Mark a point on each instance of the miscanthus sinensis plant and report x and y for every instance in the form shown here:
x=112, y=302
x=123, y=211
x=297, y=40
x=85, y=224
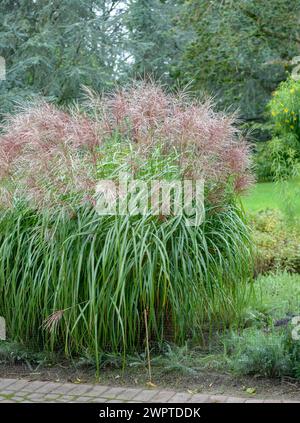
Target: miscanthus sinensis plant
x=71, y=279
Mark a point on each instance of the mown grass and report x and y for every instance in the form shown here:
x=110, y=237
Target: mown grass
x=272, y=195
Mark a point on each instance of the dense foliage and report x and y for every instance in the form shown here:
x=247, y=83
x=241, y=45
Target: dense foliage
x=276, y=242
x=242, y=50
x=279, y=157
x=53, y=47
x=236, y=50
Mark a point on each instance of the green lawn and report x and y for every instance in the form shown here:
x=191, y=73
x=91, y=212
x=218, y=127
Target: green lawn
x=274, y=195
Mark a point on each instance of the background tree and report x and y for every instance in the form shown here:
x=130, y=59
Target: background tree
x=242, y=50
x=53, y=47
x=238, y=51
x=156, y=38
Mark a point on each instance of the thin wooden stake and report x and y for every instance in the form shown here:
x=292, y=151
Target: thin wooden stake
x=147, y=346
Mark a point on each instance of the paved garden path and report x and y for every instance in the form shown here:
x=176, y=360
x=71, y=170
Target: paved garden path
x=20, y=390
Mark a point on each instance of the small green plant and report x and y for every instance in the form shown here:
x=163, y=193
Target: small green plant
x=277, y=297
x=15, y=353
x=266, y=346
x=262, y=163
x=256, y=352
x=277, y=159
x=276, y=242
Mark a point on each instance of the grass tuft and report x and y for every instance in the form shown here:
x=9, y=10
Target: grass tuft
x=77, y=282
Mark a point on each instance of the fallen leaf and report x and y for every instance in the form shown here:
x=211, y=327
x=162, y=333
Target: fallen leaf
x=251, y=391
x=193, y=391
x=151, y=385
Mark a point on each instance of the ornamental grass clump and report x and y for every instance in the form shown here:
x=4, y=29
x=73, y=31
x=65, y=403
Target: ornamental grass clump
x=77, y=281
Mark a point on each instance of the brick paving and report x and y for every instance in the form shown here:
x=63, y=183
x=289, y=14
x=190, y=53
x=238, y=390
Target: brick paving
x=24, y=391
